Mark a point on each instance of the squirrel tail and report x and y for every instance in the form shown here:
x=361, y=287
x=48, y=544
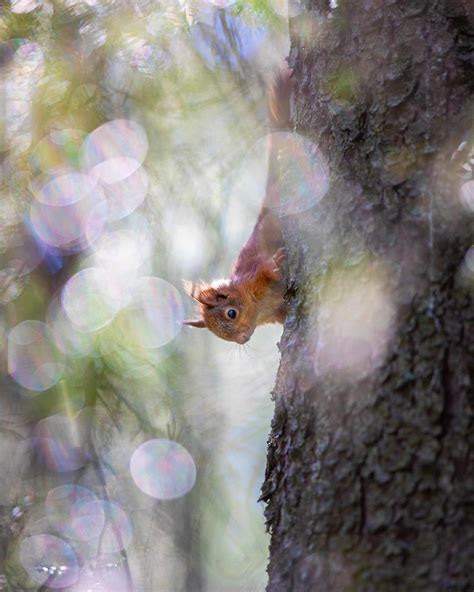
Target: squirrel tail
x=279, y=115
x=279, y=96
x=266, y=237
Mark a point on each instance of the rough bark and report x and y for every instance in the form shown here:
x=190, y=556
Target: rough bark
x=370, y=482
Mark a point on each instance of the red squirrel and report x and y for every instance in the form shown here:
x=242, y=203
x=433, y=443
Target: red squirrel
x=253, y=295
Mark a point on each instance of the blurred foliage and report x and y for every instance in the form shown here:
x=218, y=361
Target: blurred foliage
x=133, y=142
x=76, y=404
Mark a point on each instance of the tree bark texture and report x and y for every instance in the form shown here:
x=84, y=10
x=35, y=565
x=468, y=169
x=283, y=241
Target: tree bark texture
x=370, y=482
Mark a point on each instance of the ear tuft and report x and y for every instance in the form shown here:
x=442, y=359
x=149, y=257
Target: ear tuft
x=199, y=323
x=208, y=296
x=190, y=288
x=202, y=293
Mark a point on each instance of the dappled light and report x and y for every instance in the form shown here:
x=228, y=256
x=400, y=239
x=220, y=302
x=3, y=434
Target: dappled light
x=32, y=359
x=129, y=131
x=163, y=469
x=140, y=143
x=299, y=178
x=49, y=560
x=355, y=321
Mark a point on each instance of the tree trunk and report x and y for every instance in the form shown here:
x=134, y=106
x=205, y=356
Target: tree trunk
x=369, y=482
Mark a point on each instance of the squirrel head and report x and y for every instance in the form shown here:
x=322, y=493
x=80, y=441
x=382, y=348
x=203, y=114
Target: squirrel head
x=226, y=309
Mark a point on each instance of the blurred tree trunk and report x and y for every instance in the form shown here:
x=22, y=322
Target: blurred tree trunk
x=370, y=481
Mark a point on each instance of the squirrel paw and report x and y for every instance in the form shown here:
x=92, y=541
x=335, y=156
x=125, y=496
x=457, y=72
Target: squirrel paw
x=273, y=265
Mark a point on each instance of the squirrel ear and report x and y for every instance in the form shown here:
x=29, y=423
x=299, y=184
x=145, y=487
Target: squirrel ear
x=199, y=323
x=205, y=294
x=209, y=296
x=202, y=293
x=213, y=295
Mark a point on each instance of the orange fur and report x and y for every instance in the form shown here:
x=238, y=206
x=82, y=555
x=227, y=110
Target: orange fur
x=256, y=297
x=256, y=287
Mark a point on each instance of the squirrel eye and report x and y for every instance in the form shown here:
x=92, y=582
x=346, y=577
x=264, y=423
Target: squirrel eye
x=231, y=313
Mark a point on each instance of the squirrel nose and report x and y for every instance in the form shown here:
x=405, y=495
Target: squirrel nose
x=243, y=339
